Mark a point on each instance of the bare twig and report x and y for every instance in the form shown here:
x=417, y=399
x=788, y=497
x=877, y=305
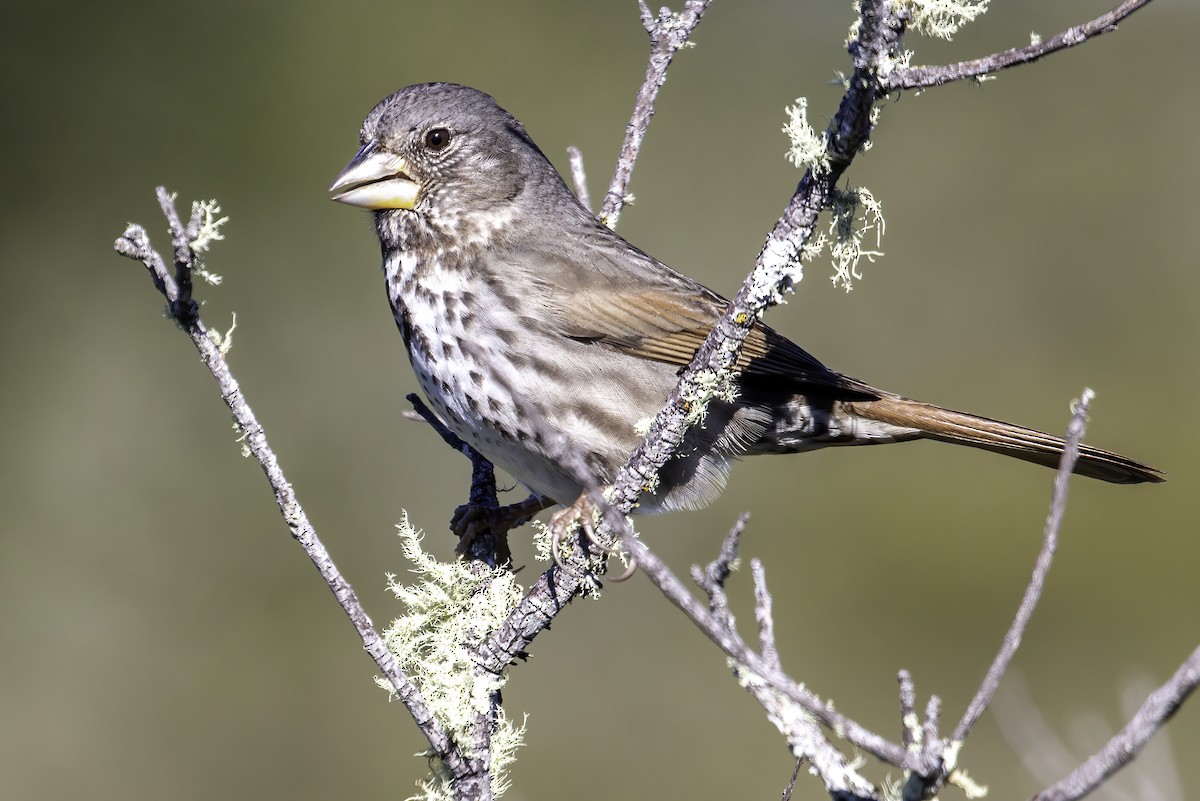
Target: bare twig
x=909, y=725
x=791, y=785
x=668, y=33
x=764, y=617
x=579, y=177
x=933, y=714
x=135, y=244
x=1033, y=592
x=712, y=578
x=732, y=644
x=917, y=77
x=1043, y=754
x=1125, y=745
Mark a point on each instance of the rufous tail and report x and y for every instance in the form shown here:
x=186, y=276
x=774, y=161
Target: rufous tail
x=948, y=425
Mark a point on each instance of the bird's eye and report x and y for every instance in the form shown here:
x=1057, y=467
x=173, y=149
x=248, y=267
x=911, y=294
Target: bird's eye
x=437, y=138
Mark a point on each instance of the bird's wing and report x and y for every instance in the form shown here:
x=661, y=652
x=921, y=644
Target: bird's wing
x=665, y=316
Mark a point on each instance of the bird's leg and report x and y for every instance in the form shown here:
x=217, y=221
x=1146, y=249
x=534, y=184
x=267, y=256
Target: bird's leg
x=470, y=520
x=582, y=511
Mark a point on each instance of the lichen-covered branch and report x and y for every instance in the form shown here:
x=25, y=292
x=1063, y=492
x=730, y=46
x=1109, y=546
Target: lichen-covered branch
x=135, y=244
x=923, y=76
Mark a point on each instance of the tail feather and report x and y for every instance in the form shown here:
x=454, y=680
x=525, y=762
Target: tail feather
x=947, y=425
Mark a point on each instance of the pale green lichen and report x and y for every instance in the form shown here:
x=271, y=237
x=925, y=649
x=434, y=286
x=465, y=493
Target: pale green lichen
x=970, y=788
x=542, y=534
x=916, y=733
x=813, y=247
x=809, y=150
x=453, y=607
x=224, y=342
x=856, y=214
x=891, y=789
x=942, y=19
x=707, y=385
x=590, y=586
x=642, y=427
x=208, y=233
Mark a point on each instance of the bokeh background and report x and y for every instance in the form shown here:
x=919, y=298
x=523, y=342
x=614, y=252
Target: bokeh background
x=161, y=636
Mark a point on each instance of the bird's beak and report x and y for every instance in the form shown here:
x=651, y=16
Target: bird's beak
x=375, y=179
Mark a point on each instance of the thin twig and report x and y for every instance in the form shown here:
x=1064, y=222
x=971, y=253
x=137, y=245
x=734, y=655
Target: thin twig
x=1044, y=755
x=135, y=244
x=579, y=177
x=764, y=617
x=1125, y=745
x=910, y=727
x=733, y=645
x=1033, y=592
x=668, y=33
x=928, y=751
x=933, y=714
x=917, y=77
x=791, y=785
x=712, y=577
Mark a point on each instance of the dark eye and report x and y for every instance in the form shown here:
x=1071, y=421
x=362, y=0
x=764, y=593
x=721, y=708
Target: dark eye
x=437, y=138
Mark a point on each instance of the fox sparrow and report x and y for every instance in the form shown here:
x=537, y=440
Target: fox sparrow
x=523, y=314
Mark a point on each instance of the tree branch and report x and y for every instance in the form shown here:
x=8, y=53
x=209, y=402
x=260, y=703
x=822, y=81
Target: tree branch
x=667, y=34
x=1033, y=592
x=579, y=177
x=555, y=588
x=918, y=77
x=1158, y=708
x=135, y=244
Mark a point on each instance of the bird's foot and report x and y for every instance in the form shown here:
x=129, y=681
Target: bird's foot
x=470, y=521
x=583, y=513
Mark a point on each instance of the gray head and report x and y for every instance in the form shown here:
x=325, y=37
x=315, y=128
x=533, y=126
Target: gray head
x=449, y=154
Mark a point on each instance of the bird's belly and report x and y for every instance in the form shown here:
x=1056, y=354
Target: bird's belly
x=479, y=401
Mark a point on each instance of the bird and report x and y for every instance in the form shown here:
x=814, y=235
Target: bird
x=530, y=324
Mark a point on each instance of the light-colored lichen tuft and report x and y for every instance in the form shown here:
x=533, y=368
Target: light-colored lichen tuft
x=208, y=233
x=970, y=788
x=591, y=586
x=808, y=150
x=856, y=216
x=942, y=18
x=452, y=607
x=224, y=342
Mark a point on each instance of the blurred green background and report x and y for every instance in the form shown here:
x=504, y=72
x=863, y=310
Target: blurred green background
x=161, y=635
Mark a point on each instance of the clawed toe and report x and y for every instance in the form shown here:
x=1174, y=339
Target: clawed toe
x=470, y=520
x=582, y=512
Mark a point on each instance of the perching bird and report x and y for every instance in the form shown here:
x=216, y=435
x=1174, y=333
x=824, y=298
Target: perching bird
x=515, y=304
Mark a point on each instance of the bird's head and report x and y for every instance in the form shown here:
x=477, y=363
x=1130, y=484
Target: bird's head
x=447, y=154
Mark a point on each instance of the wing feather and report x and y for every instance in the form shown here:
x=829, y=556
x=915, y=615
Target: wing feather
x=650, y=311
